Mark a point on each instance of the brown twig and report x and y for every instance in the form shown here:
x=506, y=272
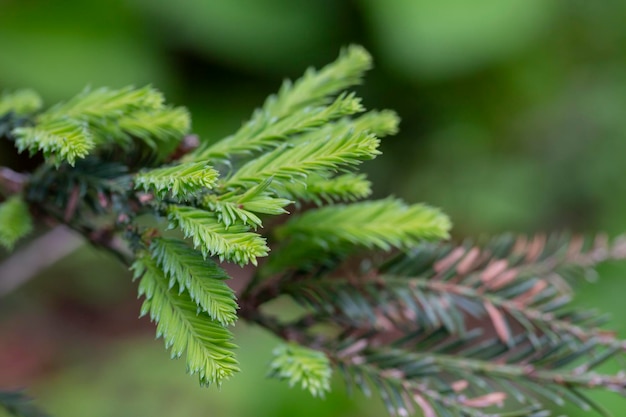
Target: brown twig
x=27, y=263
x=11, y=182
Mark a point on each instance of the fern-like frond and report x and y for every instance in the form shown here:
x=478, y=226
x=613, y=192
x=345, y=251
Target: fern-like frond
x=316, y=86
x=320, y=189
x=379, y=123
x=104, y=116
x=65, y=139
x=92, y=105
x=300, y=365
x=379, y=224
x=20, y=102
x=203, y=278
x=205, y=343
x=160, y=129
x=232, y=208
x=234, y=244
x=181, y=181
x=15, y=221
x=296, y=163
x=297, y=106
x=266, y=130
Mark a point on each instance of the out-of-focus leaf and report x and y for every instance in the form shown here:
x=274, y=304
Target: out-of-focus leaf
x=438, y=39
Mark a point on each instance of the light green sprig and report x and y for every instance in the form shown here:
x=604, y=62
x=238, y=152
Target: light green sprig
x=102, y=117
x=296, y=163
x=302, y=366
x=298, y=106
x=160, y=129
x=382, y=224
x=181, y=181
x=234, y=244
x=319, y=189
x=205, y=343
x=15, y=221
x=60, y=140
x=91, y=105
x=268, y=131
x=202, y=278
x=20, y=102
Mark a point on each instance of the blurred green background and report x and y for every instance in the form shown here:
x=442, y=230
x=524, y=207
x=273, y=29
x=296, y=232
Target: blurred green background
x=512, y=121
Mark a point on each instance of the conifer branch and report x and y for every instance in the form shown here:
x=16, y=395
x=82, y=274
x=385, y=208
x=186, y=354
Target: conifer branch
x=300, y=365
x=161, y=129
x=20, y=102
x=448, y=330
x=202, y=278
x=295, y=163
x=296, y=102
x=382, y=224
x=243, y=208
x=235, y=243
x=91, y=105
x=206, y=344
x=66, y=138
x=322, y=190
x=181, y=181
x=16, y=221
x=269, y=131
x=434, y=320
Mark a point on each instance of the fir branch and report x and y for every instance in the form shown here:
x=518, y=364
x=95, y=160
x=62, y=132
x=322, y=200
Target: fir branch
x=507, y=258
x=232, y=207
x=291, y=110
x=417, y=328
x=296, y=163
x=206, y=344
x=15, y=221
x=71, y=130
x=379, y=123
x=316, y=86
x=183, y=181
x=402, y=386
x=444, y=368
x=20, y=102
x=235, y=243
x=382, y=224
x=268, y=131
x=320, y=190
x=92, y=186
x=160, y=129
x=202, y=278
x=325, y=236
x=93, y=105
x=66, y=138
x=300, y=365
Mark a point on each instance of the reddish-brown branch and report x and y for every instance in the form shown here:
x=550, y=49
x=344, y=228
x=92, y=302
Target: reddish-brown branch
x=11, y=182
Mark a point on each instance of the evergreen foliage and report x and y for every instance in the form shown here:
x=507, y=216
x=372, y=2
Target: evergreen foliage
x=21, y=102
x=179, y=180
x=15, y=221
x=433, y=328
x=299, y=365
x=205, y=343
